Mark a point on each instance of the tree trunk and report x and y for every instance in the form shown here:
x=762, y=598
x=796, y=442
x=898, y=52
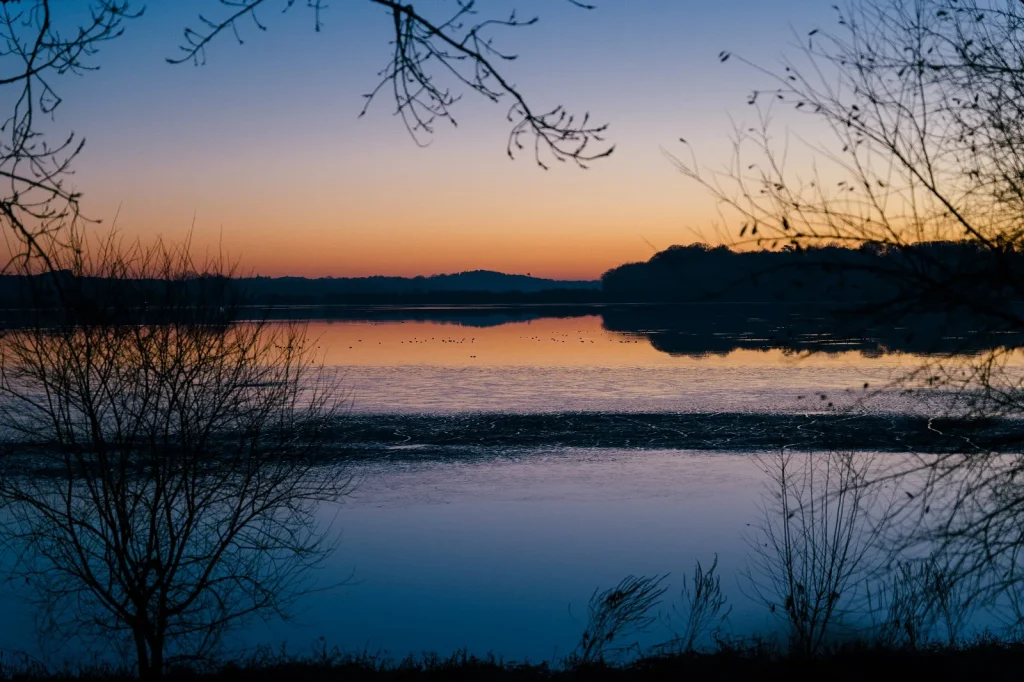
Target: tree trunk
x=156, y=656
x=142, y=650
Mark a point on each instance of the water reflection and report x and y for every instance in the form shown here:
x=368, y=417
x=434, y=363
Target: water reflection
x=547, y=342
x=502, y=552
x=705, y=329
x=576, y=364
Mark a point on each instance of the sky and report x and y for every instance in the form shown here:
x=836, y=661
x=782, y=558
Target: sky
x=260, y=151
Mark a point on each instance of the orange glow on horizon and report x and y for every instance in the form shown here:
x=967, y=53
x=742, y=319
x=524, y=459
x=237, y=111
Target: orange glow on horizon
x=400, y=219
x=318, y=251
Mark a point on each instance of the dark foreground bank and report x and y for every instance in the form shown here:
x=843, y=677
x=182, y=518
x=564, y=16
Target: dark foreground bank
x=980, y=660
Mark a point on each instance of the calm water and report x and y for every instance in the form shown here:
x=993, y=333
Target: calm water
x=555, y=365
x=499, y=552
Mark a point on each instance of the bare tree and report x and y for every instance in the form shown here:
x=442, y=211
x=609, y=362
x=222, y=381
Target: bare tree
x=918, y=151
x=916, y=102
x=165, y=473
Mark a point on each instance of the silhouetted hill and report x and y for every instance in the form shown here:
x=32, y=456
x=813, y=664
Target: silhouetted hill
x=474, y=286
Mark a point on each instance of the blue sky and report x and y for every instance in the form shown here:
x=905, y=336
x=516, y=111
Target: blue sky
x=263, y=146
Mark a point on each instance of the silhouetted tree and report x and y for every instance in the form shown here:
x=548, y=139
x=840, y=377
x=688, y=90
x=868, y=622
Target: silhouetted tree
x=919, y=105
x=164, y=473
x=920, y=98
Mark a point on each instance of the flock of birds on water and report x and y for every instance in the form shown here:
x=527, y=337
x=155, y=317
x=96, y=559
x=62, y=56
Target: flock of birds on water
x=452, y=340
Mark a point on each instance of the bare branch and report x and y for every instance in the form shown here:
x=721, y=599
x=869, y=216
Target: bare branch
x=460, y=47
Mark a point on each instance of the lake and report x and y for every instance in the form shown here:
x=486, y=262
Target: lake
x=576, y=364
x=495, y=547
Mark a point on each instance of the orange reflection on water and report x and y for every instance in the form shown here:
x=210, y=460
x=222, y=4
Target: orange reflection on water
x=554, y=342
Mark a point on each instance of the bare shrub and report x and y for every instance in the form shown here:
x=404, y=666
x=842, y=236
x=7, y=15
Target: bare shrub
x=908, y=606
x=920, y=598
x=814, y=546
x=703, y=609
x=617, y=613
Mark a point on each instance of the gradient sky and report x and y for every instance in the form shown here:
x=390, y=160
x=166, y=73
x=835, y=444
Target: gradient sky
x=263, y=146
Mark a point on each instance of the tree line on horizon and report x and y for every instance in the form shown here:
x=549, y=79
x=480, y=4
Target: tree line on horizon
x=950, y=274
x=946, y=273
